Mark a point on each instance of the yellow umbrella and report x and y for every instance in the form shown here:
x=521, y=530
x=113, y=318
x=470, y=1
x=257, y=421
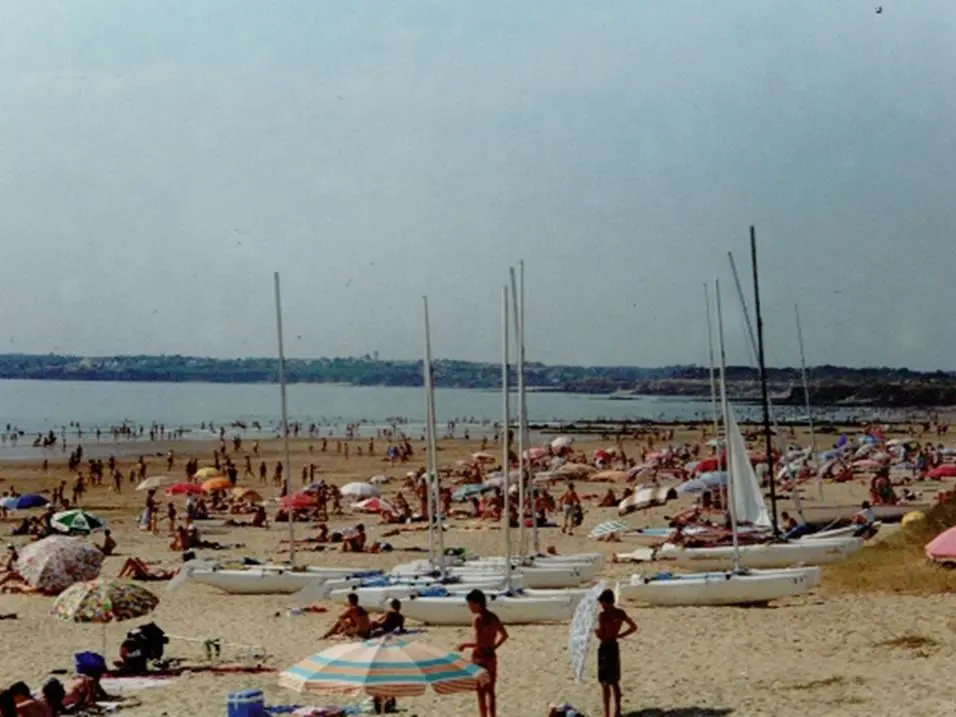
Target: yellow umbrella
x=216, y=484
x=208, y=472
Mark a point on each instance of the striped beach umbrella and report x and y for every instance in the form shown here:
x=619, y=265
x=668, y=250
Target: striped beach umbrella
x=384, y=667
x=602, y=530
x=76, y=521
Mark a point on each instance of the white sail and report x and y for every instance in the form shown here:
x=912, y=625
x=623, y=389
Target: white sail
x=745, y=492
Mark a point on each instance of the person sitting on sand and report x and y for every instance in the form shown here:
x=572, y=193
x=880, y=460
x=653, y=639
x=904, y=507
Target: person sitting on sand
x=390, y=623
x=10, y=564
x=609, y=500
x=881, y=490
x=354, y=622
x=355, y=542
x=136, y=569
x=23, y=527
x=109, y=543
x=865, y=519
x=259, y=520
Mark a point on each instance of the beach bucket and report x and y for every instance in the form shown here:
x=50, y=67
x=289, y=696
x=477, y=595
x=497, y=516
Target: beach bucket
x=247, y=703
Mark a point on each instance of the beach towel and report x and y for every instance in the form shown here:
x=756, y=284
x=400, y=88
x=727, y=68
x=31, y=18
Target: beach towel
x=119, y=685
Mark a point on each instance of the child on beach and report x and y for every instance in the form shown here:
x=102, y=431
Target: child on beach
x=611, y=620
x=490, y=635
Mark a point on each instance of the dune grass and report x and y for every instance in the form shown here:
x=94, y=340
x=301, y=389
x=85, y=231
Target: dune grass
x=898, y=565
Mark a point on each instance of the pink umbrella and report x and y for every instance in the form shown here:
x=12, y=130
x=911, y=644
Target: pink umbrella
x=482, y=457
x=533, y=454
x=943, y=546
x=298, y=501
x=867, y=465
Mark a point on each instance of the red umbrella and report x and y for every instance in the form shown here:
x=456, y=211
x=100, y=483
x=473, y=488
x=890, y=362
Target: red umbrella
x=184, y=489
x=709, y=465
x=298, y=501
x=946, y=471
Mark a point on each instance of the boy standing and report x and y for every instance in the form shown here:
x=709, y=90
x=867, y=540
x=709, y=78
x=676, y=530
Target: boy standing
x=611, y=620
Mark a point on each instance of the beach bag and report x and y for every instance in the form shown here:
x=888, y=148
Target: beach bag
x=91, y=664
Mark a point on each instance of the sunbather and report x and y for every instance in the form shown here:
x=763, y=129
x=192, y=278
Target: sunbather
x=355, y=542
x=136, y=569
x=354, y=622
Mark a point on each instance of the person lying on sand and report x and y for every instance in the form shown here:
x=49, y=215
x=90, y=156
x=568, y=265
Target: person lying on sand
x=259, y=520
x=354, y=622
x=136, y=569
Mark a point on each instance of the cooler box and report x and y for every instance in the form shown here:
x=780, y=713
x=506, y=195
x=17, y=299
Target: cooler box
x=91, y=664
x=247, y=703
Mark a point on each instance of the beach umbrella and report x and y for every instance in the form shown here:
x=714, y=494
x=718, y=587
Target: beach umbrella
x=643, y=498
x=384, y=667
x=582, y=628
x=208, y=472
x=535, y=453
x=24, y=502
x=380, y=479
x=247, y=494
x=562, y=442
x=942, y=548
x=184, y=489
x=482, y=457
x=298, y=501
x=945, y=471
x=867, y=465
x=610, y=527
x=575, y=470
x=466, y=491
x=374, y=505
x=642, y=471
x=360, y=490
x=76, y=521
x=104, y=601
x=53, y=564
x=214, y=484
x=707, y=481
x=153, y=482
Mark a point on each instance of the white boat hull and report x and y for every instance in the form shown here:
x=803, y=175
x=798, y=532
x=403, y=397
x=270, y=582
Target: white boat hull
x=256, y=581
x=453, y=610
x=823, y=551
x=531, y=577
x=721, y=588
x=376, y=598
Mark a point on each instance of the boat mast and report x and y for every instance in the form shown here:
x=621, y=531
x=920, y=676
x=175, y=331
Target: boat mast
x=764, y=397
x=517, y=310
x=806, y=392
x=285, y=414
x=506, y=419
x=713, y=380
x=432, y=483
x=535, y=537
x=725, y=407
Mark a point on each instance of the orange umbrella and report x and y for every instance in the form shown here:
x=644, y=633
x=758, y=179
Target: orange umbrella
x=216, y=484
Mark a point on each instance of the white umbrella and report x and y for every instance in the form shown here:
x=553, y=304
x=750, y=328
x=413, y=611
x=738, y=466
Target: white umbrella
x=153, y=482
x=360, y=490
x=582, y=627
x=379, y=479
x=562, y=442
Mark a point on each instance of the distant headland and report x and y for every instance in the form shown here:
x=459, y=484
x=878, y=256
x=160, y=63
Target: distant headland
x=829, y=385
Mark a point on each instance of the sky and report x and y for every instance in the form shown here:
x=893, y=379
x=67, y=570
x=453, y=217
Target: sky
x=160, y=160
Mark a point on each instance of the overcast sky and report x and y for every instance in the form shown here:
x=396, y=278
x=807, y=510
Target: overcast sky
x=158, y=161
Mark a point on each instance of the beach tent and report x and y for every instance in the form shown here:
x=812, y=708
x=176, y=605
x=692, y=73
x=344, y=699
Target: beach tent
x=942, y=548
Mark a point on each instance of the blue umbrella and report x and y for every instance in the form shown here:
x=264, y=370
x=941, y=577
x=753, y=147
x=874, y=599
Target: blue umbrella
x=24, y=502
x=704, y=482
x=466, y=491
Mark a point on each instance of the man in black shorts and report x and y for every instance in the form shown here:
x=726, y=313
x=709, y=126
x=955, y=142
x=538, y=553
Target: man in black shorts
x=611, y=628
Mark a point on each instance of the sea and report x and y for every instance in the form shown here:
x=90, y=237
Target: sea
x=75, y=409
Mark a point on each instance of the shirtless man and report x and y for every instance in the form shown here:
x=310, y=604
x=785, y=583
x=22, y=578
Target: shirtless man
x=610, y=621
x=354, y=622
x=490, y=634
x=568, y=501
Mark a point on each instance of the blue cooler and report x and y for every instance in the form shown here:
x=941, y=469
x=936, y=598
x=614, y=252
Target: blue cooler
x=248, y=703
x=91, y=664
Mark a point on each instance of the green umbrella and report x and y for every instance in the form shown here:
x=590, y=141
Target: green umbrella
x=77, y=521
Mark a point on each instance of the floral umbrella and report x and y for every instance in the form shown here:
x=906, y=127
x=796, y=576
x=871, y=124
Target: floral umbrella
x=103, y=601
x=55, y=563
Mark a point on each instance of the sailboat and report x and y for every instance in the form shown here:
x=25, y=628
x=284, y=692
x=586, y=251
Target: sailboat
x=511, y=605
x=268, y=579
x=739, y=585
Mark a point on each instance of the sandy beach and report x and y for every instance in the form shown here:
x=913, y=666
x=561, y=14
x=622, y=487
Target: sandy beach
x=824, y=654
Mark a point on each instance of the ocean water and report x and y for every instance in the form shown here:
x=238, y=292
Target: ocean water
x=39, y=406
